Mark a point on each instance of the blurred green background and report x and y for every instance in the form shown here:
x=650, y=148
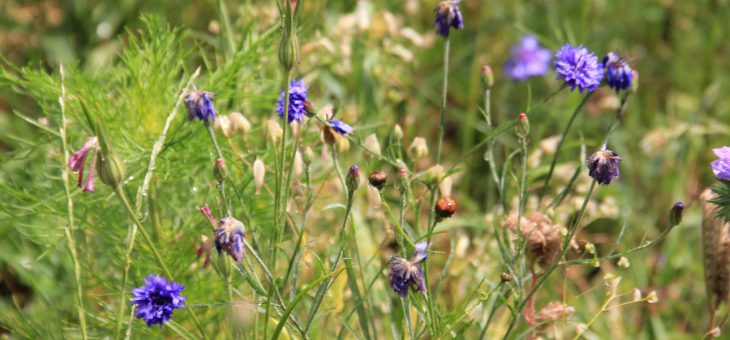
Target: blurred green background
x=379, y=62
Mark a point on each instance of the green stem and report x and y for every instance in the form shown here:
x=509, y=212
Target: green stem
x=220, y=180
x=444, y=92
x=566, y=243
x=132, y=215
x=68, y=230
x=560, y=145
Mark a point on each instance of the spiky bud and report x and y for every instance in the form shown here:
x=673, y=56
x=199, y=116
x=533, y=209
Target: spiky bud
x=353, y=179
x=487, y=76
x=378, y=179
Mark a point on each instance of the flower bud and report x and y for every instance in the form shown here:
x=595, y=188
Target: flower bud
x=505, y=277
x=329, y=135
x=343, y=144
x=634, y=81
x=487, y=76
x=219, y=171
x=445, y=207
x=110, y=169
x=259, y=170
x=309, y=108
x=434, y=175
x=397, y=133
x=308, y=155
x=403, y=181
x=675, y=215
x=353, y=179
x=523, y=126
x=372, y=144
x=418, y=148
x=378, y=179
x=289, y=51
x=239, y=123
x=223, y=124
x=274, y=131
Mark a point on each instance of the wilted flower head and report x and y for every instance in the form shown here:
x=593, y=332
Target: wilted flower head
x=78, y=162
x=603, y=166
x=552, y=312
x=405, y=274
x=200, y=105
x=721, y=167
x=297, y=97
x=618, y=72
x=578, y=67
x=157, y=299
x=340, y=127
x=448, y=15
x=541, y=235
x=378, y=179
x=229, y=237
x=527, y=59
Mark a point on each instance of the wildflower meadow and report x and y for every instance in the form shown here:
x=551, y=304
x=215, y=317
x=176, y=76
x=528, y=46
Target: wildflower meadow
x=364, y=169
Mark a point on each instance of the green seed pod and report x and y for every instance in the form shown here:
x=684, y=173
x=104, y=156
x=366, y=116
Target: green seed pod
x=288, y=51
x=110, y=169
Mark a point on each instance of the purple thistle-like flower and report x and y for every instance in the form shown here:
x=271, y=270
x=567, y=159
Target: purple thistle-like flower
x=618, y=72
x=200, y=105
x=448, y=15
x=157, y=299
x=527, y=59
x=297, y=97
x=721, y=167
x=229, y=237
x=405, y=274
x=578, y=67
x=341, y=127
x=603, y=166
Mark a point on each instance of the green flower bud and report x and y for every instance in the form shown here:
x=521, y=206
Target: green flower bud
x=288, y=51
x=110, y=169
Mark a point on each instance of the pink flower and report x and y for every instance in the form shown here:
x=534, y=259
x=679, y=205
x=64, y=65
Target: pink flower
x=78, y=163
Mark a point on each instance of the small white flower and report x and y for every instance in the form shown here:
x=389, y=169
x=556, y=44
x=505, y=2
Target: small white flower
x=623, y=262
x=652, y=297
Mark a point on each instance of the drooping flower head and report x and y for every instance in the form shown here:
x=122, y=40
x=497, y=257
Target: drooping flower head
x=448, y=15
x=527, y=59
x=297, y=97
x=603, y=166
x=157, y=299
x=619, y=74
x=77, y=163
x=340, y=127
x=578, y=67
x=229, y=237
x=200, y=105
x=721, y=167
x=405, y=274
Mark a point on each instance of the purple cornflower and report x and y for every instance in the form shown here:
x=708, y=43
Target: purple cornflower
x=448, y=15
x=405, y=274
x=157, y=299
x=341, y=127
x=297, y=97
x=200, y=105
x=603, y=166
x=721, y=167
x=77, y=163
x=576, y=66
x=618, y=72
x=527, y=59
x=229, y=237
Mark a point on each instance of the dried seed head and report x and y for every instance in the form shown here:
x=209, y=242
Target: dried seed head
x=239, y=124
x=543, y=237
x=378, y=179
x=552, y=312
x=259, y=170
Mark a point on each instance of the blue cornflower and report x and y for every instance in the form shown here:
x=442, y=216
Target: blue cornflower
x=618, y=72
x=405, y=274
x=297, y=97
x=603, y=166
x=157, y=299
x=576, y=66
x=200, y=105
x=721, y=167
x=527, y=59
x=448, y=15
x=229, y=237
x=341, y=127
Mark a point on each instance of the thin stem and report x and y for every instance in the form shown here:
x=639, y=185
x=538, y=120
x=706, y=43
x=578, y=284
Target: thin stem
x=429, y=300
x=444, y=92
x=132, y=215
x=566, y=243
x=68, y=230
x=220, y=179
x=560, y=145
